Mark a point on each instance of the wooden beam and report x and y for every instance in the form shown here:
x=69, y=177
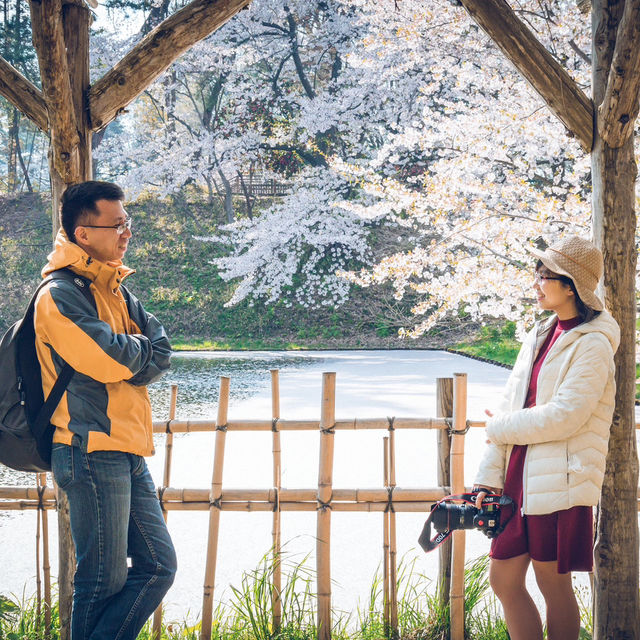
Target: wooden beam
x=48, y=38
x=154, y=53
x=547, y=76
x=619, y=109
x=23, y=95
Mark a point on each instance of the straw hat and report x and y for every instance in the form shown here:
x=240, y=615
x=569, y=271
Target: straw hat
x=580, y=260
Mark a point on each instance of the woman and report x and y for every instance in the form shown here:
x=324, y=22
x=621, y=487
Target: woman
x=547, y=447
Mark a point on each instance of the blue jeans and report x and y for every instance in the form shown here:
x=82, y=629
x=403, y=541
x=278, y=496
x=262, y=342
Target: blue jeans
x=115, y=514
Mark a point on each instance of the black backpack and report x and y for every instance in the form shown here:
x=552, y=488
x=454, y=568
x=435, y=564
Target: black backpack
x=25, y=429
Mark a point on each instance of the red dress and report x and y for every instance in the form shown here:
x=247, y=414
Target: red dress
x=565, y=536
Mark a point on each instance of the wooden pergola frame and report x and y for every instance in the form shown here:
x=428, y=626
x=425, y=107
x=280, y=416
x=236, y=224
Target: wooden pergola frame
x=69, y=110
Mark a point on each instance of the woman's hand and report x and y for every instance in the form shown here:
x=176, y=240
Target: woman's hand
x=483, y=492
x=490, y=414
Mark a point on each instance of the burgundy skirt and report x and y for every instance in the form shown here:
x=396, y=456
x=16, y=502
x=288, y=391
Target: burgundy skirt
x=565, y=536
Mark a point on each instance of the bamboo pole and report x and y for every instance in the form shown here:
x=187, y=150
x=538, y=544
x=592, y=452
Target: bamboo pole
x=193, y=426
x=166, y=480
x=46, y=566
x=197, y=426
x=325, y=482
x=276, y=604
x=214, y=511
x=28, y=493
x=457, y=482
x=38, y=573
x=444, y=409
x=352, y=507
x=171, y=495
x=385, y=543
x=393, y=548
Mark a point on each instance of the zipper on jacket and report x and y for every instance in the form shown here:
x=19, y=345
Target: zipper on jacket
x=524, y=482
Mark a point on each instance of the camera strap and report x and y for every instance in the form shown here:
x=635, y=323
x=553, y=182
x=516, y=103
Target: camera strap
x=429, y=543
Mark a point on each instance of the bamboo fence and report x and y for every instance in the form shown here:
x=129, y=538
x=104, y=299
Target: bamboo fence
x=452, y=425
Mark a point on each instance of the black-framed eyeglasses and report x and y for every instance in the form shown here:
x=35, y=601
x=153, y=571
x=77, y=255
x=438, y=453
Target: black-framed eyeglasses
x=120, y=228
x=539, y=278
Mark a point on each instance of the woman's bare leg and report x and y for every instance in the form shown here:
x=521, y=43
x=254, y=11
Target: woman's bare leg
x=563, y=616
x=507, y=579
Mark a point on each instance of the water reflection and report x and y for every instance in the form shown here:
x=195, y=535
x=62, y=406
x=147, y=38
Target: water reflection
x=198, y=374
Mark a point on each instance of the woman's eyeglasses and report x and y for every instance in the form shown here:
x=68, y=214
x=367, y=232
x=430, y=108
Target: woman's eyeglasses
x=120, y=228
x=540, y=278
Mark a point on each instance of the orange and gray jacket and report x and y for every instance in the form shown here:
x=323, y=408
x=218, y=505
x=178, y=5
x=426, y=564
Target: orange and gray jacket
x=115, y=348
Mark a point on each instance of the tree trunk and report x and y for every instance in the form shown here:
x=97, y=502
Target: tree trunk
x=76, y=35
x=228, y=196
x=616, y=602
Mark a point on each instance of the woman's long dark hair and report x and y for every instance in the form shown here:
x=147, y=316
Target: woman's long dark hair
x=585, y=312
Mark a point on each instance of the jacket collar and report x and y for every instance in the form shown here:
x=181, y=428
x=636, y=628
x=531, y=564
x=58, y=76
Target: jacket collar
x=603, y=323
x=70, y=255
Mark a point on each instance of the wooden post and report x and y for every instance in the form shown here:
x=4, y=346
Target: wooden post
x=444, y=409
x=393, y=547
x=46, y=565
x=166, y=481
x=386, y=592
x=457, y=477
x=214, y=510
x=325, y=482
x=276, y=603
x=38, y=572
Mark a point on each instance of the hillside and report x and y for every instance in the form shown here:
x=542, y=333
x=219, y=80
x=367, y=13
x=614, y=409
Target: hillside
x=178, y=283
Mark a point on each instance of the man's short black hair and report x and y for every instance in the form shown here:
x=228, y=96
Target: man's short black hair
x=80, y=200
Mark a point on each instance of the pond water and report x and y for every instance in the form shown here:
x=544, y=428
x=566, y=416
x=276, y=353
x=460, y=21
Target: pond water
x=369, y=384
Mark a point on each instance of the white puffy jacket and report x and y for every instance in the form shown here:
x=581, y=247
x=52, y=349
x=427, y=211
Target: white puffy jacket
x=568, y=429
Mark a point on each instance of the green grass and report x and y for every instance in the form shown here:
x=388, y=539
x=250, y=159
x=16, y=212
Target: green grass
x=494, y=343
x=238, y=344
x=247, y=614
x=24, y=620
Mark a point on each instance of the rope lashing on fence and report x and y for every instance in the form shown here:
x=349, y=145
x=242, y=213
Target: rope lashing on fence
x=41, y=490
x=392, y=421
x=221, y=427
x=389, y=507
x=276, y=500
x=329, y=430
x=161, y=491
x=457, y=432
x=274, y=425
x=324, y=505
x=217, y=503
x=168, y=427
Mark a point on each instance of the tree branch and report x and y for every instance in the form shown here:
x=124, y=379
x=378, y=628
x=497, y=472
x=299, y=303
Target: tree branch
x=295, y=52
x=312, y=158
x=619, y=108
x=154, y=53
x=557, y=88
x=580, y=52
x=48, y=38
x=23, y=95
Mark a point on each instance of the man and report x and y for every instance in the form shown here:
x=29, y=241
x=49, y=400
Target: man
x=103, y=422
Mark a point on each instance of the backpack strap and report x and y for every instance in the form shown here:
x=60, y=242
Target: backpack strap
x=43, y=418
x=81, y=283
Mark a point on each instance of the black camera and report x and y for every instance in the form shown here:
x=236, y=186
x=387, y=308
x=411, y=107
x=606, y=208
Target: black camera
x=446, y=516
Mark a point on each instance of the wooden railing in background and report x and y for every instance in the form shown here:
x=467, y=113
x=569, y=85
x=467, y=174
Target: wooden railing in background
x=451, y=423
